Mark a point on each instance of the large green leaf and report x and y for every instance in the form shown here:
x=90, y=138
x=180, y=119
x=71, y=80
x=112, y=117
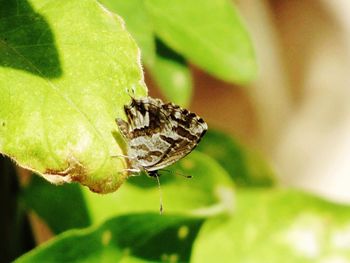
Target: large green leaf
x=209, y=191
x=66, y=66
x=246, y=167
x=132, y=238
x=208, y=33
x=138, y=24
x=168, y=69
x=277, y=226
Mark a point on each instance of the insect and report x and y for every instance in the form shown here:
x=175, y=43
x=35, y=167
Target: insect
x=158, y=134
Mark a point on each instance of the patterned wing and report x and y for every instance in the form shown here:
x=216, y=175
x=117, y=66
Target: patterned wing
x=145, y=117
x=146, y=121
x=185, y=132
x=159, y=134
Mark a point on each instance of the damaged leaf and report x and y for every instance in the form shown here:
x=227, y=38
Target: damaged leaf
x=64, y=70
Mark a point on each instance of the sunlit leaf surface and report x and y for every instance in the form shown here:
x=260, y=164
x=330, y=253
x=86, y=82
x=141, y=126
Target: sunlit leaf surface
x=168, y=68
x=138, y=23
x=65, y=68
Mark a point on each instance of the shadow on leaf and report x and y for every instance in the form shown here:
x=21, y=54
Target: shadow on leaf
x=26, y=40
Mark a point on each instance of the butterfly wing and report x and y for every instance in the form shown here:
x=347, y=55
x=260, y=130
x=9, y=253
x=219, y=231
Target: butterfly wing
x=146, y=121
x=185, y=132
x=159, y=134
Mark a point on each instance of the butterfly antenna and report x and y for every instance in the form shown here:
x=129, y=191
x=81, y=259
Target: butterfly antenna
x=160, y=195
x=177, y=173
x=131, y=92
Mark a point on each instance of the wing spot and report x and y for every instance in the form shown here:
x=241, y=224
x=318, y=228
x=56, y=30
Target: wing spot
x=200, y=120
x=140, y=147
x=184, y=133
x=156, y=153
x=147, y=158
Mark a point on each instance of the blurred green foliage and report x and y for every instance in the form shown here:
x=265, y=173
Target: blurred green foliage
x=171, y=236
x=244, y=166
x=62, y=207
x=207, y=33
x=264, y=224
x=230, y=211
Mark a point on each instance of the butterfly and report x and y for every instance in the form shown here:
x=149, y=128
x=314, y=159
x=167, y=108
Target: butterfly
x=158, y=134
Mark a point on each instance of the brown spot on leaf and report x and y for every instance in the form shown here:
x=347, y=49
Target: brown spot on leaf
x=75, y=171
x=104, y=186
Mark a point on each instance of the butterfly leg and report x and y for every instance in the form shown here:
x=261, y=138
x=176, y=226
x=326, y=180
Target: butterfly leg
x=134, y=172
x=121, y=156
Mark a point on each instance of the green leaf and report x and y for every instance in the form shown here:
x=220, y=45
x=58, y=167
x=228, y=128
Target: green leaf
x=23, y=30
x=172, y=75
x=245, y=167
x=208, y=33
x=62, y=207
x=138, y=24
x=209, y=191
x=65, y=68
x=168, y=68
x=132, y=238
x=277, y=226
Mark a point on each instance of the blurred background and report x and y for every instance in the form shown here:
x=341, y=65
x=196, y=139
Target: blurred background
x=285, y=126
x=296, y=112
